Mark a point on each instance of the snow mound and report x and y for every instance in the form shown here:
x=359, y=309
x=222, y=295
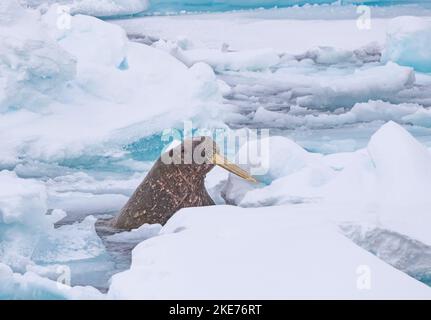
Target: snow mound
x=370, y=83
x=385, y=184
x=93, y=98
x=408, y=43
x=403, y=164
x=279, y=157
x=31, y=286
x=253, y=60
x=256, y=254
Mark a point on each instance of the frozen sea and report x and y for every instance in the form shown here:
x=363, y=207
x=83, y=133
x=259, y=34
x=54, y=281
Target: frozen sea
x=82, y=125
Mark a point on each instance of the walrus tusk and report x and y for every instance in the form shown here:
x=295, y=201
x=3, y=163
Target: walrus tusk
x=231, y=167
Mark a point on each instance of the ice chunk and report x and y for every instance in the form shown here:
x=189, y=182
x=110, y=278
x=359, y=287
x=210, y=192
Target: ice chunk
x=220, y=60
x=328, y=55
x=78, y=241
x=400, y=251
x=21, y=200
x=403, y=165
x=109, y=42
x=122, y=91
x=408, y=43
x=373, y=110
x=32, y=286
x=142, y=233
x=369, y=83
x=252, y=60
x=98, y=8
x=32, y=65
x=81, y=204
x=420, y=118
x=280, y=158
x=260, y=253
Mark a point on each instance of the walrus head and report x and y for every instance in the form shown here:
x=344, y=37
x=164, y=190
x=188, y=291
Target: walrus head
x=175, y=181
x=198, y=155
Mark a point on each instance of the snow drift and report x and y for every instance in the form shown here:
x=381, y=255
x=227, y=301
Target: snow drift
x=229, y=253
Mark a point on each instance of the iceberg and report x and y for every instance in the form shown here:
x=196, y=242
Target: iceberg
x=408, y=43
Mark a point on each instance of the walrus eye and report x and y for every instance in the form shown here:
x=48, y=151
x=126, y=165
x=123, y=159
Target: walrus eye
x=203, y=153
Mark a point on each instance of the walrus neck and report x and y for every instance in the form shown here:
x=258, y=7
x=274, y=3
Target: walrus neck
x=191, y=182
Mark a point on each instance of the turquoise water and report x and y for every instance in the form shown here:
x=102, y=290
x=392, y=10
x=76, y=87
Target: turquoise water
x=173, y=6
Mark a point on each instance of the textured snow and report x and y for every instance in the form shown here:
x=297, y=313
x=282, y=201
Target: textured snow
x=293, y=254
x=387, y=182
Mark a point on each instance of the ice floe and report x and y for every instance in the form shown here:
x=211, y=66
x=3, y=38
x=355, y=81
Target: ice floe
x=281, y=252
x=385, y=182
x=90, y=95
x=98, y=8
x=32, y=286
x=80, y=113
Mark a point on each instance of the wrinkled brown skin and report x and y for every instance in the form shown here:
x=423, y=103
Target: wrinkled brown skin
x=166, y=189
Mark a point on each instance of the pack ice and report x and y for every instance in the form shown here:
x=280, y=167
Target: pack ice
x=309, y=230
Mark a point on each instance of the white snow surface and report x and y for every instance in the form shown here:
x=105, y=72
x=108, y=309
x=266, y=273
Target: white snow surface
x=225, y=252
x=385, y=184
x=84, y=108
x=293, y=30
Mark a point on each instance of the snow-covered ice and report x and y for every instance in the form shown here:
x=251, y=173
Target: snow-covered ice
x=82, y=110
x=256, y=253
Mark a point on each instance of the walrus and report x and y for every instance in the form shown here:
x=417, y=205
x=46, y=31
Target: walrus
x=175, y=181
